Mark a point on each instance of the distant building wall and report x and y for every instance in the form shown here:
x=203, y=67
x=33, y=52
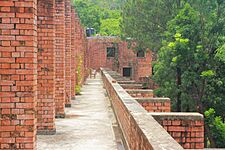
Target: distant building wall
x=124, y=57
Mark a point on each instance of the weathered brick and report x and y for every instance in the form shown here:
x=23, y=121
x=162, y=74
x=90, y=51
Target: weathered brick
x=97, y=48
x=68, y=52
x=46, y=67
x=73, y=62
x=60, y=58
x=13, y=83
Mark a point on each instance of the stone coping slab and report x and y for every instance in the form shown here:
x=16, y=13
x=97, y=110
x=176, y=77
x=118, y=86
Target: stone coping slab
x=154, y=99
x=139, y=90
x=132, y=86
x=177, y=115
x=121, y=79
x=127, y=82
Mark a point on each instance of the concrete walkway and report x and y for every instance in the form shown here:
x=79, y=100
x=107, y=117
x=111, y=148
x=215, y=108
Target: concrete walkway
x=88, y=124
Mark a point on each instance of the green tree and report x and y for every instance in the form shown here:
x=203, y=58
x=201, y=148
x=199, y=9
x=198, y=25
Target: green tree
x=110, y=27
x=217, y=127
x=89, y=13
x=145, y=21
x=196, y=78
x=104, y=16
x=177, y=56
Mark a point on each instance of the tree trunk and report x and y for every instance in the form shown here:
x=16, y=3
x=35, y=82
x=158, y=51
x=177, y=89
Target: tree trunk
x=201, y=109
x=179, y=91
x=211, y=140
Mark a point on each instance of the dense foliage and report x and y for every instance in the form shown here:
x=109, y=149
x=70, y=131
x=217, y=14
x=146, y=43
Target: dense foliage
x=189, y=37
x=217, y=127
x=102, y=15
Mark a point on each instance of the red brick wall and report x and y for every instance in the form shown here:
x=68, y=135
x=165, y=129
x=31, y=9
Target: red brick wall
x=82, y=53
x=46, y=67
x=80, y=49
x=141, y=67
x=60, y=58
x=73, y=65
x=139, y=93
x=77, y=43
x=155, y=104
x=186, y=128
x=97, y=49
x=68, y=52
x=18, y=74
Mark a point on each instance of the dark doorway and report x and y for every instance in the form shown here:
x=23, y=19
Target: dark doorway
x=127, y=72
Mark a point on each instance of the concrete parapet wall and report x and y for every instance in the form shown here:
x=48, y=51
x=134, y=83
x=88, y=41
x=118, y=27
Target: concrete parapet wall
x=141, y=131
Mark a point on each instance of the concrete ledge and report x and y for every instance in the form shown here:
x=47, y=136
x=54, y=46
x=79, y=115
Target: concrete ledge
x=140, y=93
x=140, y=130
x=139, y=90
x=132, y=86
x=46, y=132
x=60, y=116
x=127, y=82
x=117, y=76
x=68, y=105
x=177, y=115
x=153, y=99
x=121, y=79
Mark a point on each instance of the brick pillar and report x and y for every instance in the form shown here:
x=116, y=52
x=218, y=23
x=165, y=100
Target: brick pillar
x=68, y=52
x=82, y=54
x=60, y=58
x=73, y=64
x=18, y=69
x=77, y=46
x=46, y=68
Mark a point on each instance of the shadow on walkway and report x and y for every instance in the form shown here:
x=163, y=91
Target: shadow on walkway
x=88, y=123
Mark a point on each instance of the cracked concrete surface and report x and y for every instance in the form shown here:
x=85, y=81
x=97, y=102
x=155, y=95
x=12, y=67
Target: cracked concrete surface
x=88, y=123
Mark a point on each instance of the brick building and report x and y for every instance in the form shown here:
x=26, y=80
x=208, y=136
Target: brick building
x=114, y=53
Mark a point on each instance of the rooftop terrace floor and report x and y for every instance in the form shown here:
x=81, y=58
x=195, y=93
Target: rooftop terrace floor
x=88, y=124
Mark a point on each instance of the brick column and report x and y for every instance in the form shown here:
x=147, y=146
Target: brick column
x=73, y=64
x=77, y=45
x=83, y=46
x=46, y=68
x=18, y=69
x=68, y=52
x=60, y=58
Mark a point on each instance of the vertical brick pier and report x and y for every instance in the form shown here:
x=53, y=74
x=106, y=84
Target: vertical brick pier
x=46, y=67
x=60, y=58
x=18, y=74
x=73, y=63
x=68, y=52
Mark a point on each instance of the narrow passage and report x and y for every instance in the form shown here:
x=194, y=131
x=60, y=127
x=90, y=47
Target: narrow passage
x=88, y=124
